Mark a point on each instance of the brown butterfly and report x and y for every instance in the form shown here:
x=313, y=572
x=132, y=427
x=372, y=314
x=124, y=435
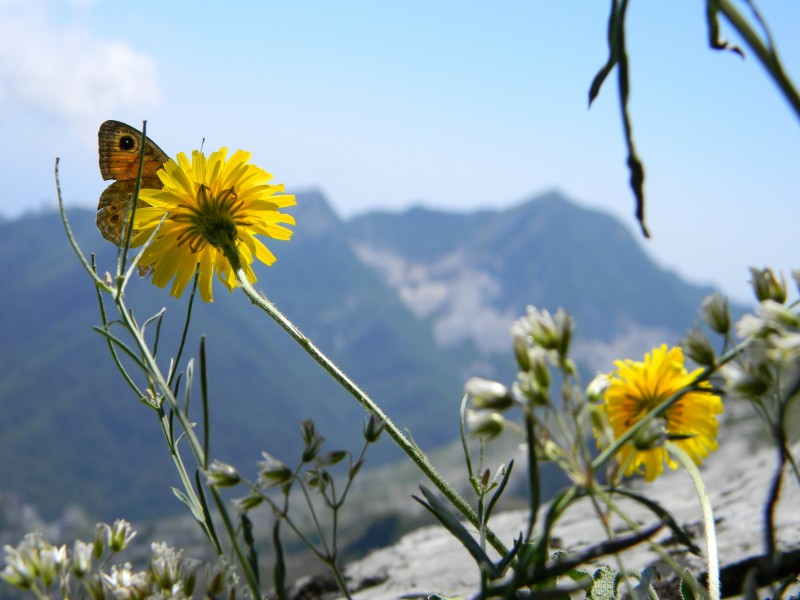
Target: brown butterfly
x=119, y=159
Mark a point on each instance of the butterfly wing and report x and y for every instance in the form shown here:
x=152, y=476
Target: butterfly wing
x=113, y=206
x=119, y=152
x=119, y=146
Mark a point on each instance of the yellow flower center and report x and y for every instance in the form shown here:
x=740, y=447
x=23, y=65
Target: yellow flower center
x=213, y=220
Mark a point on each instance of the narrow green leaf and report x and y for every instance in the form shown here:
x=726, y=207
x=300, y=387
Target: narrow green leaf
x=185, y=331
x=207, y=523
x=249, y=540
x=185, y=499
x=503, y=563
x=454, y=526
x=688, y=586
x=280, y=563
x=187, y=390
x=499, y=491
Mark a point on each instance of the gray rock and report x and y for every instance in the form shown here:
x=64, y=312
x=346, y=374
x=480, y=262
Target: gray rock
x=738, y=477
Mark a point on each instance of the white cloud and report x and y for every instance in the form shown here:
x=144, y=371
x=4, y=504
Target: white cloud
x=66, y=70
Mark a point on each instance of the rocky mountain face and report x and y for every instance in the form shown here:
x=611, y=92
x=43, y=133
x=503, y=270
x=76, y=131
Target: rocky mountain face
x=471, y=275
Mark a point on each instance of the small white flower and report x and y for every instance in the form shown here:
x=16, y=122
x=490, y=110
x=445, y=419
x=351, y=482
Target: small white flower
x=165, y=565
x=487, y=394
x=119, y=535
x=125, y=584
x=597, y=387
x=18, y=570
x=751, y=326
x=81, y=558
x=777, y=313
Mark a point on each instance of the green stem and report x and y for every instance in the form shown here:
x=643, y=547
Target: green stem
x=414, y=453
x=250, y=576
x=766, y=54
x=708, y=518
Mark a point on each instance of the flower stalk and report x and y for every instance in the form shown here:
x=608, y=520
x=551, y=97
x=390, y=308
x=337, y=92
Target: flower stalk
x=410, y=449
x=712, y=556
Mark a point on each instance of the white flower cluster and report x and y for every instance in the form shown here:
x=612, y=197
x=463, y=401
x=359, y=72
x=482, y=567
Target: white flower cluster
x=39, y=567
x=769, y=363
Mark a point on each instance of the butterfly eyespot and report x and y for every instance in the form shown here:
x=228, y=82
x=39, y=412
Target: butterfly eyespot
x=126, y=142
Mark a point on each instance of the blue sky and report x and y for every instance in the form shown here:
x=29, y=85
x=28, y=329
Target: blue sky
x=452, y=105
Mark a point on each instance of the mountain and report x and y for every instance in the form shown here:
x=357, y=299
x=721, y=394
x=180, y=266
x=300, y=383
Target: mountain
x=472, y=275
x=408, y=304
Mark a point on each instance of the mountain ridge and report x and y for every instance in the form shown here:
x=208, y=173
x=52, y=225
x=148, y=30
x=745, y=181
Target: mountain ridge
x=409, y=305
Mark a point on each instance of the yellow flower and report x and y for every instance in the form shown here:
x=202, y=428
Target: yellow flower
x=636, y=388
x=216, y=207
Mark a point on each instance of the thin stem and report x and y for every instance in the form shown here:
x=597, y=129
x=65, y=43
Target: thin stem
x=252, y=578
x=708, y=518
x=414, y=453
x=765, y=53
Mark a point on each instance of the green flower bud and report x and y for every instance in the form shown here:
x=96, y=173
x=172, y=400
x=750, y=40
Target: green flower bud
x=248, y=502
x=529, y=389
x=94, y=586
x=308, y=431
x=99, y=544
x=551, y=451
x=752, y=381
x=331, y=458
x=220, y=474
x=539, y=367
x=272, y=471
x=373, y=428
x=318, y=478
x=698, y=348
x=216, y=577
x=189, y=582
x=488, y=394
x=715, y=314
x=485, y=424
x=652, y=435
x=766, y=286
x=520, y=336
x=313, y=441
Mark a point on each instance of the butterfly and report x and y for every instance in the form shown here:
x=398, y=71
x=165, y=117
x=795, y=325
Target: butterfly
x=119, y=145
